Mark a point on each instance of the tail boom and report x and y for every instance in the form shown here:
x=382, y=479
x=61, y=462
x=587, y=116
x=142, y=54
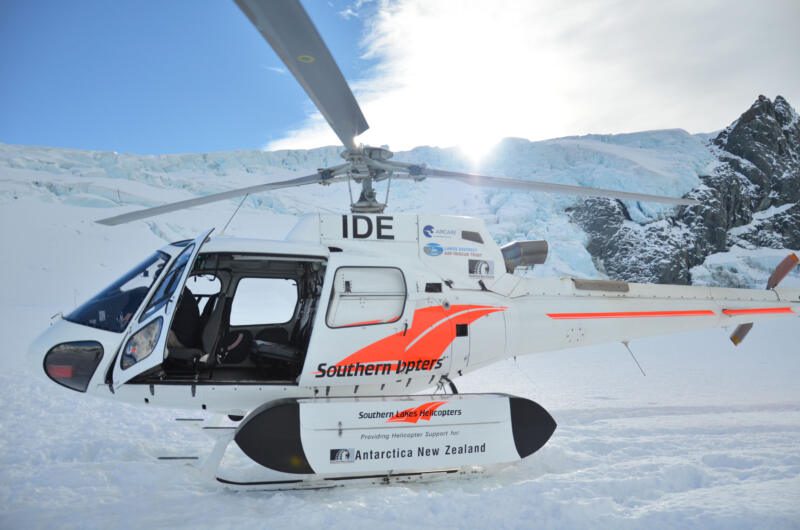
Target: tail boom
x=555, y=314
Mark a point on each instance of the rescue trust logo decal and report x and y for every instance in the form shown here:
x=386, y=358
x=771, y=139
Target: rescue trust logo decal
x=433, y=249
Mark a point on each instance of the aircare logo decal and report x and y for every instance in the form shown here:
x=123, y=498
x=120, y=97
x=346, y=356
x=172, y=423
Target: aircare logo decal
x=419, y=349
x=431, y=231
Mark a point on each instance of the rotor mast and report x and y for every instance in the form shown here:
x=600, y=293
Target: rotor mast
x=364, y=166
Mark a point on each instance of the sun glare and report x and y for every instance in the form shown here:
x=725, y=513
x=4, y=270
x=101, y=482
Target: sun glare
x=457, y=91
x=476, y=149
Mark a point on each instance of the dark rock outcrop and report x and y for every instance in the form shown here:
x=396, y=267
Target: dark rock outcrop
x=751, y=199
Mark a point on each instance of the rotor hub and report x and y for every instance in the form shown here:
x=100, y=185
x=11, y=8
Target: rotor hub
x=364, y=168
x=370, y=153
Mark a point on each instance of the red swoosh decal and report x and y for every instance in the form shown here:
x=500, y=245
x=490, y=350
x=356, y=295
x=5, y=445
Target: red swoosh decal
x=432, y=331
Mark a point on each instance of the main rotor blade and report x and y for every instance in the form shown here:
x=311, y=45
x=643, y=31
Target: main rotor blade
x=502, y=182
x=181, y=205
x=290, y=32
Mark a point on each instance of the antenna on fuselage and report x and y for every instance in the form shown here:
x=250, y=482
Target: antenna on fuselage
x=222, y=232
x=627, y=347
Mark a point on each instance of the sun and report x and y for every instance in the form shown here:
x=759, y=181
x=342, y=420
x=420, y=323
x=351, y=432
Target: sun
x=477, y=148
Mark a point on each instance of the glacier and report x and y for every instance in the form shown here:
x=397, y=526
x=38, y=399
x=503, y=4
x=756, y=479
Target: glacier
x=657, y=162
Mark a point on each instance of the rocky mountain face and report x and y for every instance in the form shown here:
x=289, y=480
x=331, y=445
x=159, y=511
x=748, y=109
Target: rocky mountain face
x=750, y=198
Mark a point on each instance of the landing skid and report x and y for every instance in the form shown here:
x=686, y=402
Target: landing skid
x=226, y=466
x=369, y=480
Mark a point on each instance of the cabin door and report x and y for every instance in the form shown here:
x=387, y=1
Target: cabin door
x=145, y=343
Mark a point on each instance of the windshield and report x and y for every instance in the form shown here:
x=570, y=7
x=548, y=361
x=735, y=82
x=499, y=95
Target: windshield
x=113, y=307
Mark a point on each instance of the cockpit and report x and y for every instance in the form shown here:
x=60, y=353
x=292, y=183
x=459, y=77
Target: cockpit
x=237, y=312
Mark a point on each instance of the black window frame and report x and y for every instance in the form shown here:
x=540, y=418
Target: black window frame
x=155, y=304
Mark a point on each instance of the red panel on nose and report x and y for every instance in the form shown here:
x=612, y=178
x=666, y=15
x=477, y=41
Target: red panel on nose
x=60, y=371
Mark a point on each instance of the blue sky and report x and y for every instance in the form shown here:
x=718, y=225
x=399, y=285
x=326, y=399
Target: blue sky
x=173, y=76
x=151, y=76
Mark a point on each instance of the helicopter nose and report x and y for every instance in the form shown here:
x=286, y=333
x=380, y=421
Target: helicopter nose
x=69, y=354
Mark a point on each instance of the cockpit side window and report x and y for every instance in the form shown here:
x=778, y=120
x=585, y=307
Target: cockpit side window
x=113, y=307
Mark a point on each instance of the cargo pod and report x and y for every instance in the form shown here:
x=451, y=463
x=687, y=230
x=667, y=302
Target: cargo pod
x=144, y=345
x=341, y=439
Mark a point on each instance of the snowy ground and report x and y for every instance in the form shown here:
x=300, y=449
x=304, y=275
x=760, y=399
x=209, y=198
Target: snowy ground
x=710, y=438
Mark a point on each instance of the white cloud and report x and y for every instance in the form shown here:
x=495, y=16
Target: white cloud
x=469, y=72
x=277, y=69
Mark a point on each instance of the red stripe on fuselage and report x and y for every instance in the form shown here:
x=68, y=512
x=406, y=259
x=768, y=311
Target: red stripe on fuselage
x=632, y=314
x=758, y=311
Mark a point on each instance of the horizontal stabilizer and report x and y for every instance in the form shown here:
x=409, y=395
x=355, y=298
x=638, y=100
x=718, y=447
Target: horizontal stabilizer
x=740, y=333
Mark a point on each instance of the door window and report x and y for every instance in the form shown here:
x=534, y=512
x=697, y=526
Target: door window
x=263, y=301
x=364, y=296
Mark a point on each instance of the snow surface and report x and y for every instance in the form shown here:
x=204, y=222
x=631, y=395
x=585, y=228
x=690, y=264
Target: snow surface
x=710, y=438
x=740, y=267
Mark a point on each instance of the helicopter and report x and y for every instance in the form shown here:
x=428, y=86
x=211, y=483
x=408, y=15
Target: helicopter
x=329, y=358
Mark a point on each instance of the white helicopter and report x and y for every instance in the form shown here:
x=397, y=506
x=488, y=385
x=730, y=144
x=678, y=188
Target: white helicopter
x=312, y=351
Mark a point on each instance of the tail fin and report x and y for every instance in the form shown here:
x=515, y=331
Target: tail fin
x=783, y=268
x=780, y=272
